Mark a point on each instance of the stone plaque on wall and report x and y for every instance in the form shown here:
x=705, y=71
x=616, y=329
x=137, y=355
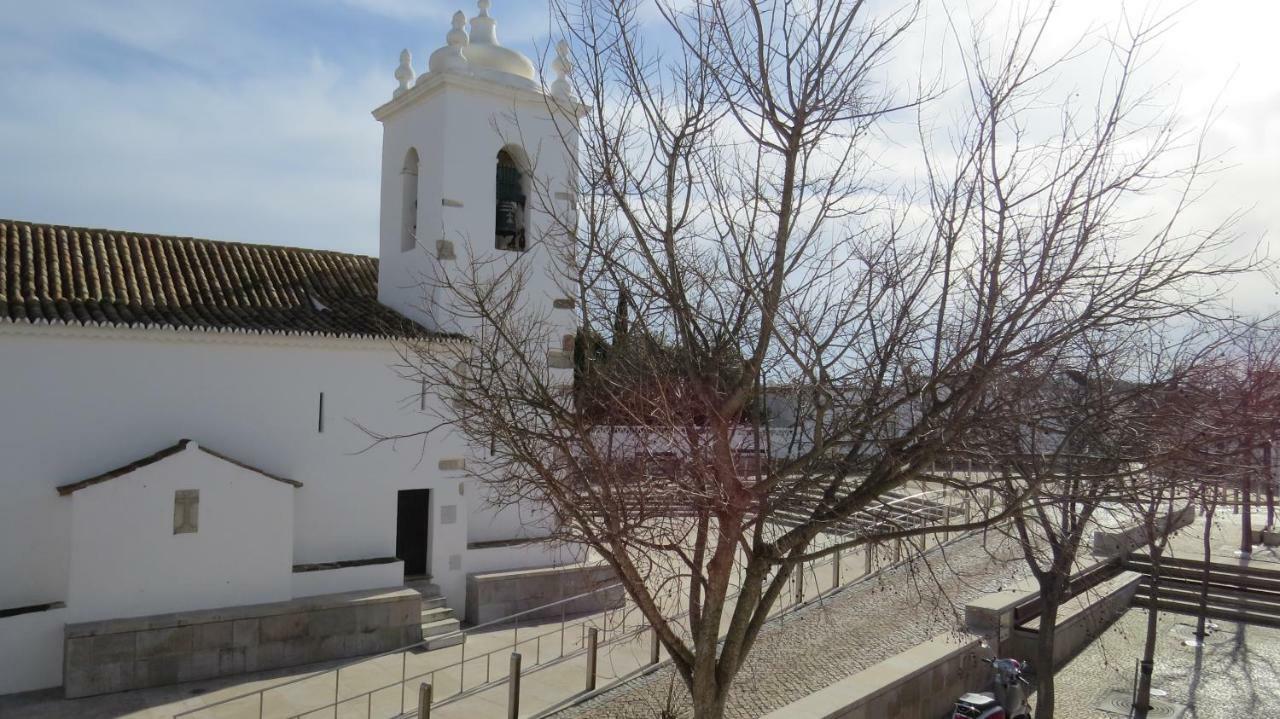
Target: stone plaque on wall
x=186, y=511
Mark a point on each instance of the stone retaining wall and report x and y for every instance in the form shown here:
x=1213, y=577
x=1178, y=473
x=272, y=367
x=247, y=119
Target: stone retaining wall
x=494, y=595
x=119, y=654
x=1111, y=544
x=1080, y=621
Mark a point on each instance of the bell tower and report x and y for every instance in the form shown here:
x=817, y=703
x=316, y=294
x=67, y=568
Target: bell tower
x=477, y=171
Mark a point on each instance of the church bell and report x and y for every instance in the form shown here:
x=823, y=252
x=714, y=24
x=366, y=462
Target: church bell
x=509, y=224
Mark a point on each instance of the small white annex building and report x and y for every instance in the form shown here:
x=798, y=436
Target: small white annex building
x=181, y=419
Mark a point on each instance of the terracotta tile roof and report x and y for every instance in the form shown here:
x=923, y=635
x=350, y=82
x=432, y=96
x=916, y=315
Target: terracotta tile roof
x=74, y=275
x=154, y=457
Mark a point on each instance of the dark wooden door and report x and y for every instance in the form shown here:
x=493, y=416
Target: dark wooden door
x=413, y=512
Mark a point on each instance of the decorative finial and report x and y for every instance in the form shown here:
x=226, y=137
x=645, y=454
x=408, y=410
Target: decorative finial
x=457, y=37
x=404, y=73
x=482, y=26
x=450, y=57
x=562, y=65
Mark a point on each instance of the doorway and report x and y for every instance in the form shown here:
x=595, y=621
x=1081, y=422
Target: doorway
x=413, y=512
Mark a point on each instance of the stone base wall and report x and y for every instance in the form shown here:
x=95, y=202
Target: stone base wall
x=495, y=595
x=920, y=683
x=119, y=654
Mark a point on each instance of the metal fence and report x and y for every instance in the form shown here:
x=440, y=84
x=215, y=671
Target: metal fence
x=390, y=684
x=397, y=670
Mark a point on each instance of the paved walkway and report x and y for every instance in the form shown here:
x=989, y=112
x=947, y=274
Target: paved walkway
x=1235, y=674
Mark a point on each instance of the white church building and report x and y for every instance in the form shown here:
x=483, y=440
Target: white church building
x=186, y=489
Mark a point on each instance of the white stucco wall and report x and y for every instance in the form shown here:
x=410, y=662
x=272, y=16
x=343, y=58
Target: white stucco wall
x=126, y=560
x=80, y=402
x=31, y=650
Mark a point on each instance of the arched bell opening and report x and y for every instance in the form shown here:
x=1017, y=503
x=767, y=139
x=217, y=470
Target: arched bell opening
x=409, y=201
x=512, y=212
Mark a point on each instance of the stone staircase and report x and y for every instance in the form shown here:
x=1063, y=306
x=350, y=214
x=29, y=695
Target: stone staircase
x=438, y=619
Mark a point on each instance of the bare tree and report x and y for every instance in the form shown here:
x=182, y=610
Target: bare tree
x=1102, y=430
x=729, y=204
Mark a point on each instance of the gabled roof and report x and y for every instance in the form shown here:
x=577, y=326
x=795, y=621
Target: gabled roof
x=181, y=446
x=73, y=275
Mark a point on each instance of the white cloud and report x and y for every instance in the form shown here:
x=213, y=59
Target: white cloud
x=248, y=121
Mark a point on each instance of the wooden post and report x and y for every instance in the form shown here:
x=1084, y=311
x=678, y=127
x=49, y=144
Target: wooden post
x=835, y=569
x=593, y=644
x=513, y=687
x=800, y=583
x=654, y=646
x=869, y=554
x=424, y=700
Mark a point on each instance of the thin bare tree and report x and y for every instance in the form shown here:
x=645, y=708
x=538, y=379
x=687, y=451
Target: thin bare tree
x=1086, y=447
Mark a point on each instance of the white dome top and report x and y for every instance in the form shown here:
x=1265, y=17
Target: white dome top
x=486, y=55
x=481, y=55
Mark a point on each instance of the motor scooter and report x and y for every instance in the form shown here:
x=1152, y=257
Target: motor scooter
x=1007, y=701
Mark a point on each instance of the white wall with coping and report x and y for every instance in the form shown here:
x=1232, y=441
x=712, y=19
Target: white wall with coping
x=347, y=579
x=31, y=650
x=255, y=399
x=126, y=560
x=533, y=554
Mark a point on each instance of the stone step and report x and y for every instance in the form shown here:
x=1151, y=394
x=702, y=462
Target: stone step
x=432, y=602
x=445, y=629
x=450, y=640
x=435, y=614
x=440, y=626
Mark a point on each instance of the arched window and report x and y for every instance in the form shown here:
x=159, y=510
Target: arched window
x=409, y=202
x=509, y=225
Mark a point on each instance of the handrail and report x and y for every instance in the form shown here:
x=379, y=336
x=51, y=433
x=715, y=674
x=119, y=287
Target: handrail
x=508, y=619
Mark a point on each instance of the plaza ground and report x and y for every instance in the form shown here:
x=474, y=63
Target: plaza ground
x=841, y=633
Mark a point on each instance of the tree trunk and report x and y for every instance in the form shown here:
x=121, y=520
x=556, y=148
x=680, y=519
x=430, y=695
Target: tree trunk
x=1268, y=482
x=709, y=703
x=1044, y=660
x=1204, y=579
x=1142, y=699
x=1246, y=513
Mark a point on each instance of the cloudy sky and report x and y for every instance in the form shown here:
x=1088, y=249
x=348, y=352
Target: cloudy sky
x=249, y=119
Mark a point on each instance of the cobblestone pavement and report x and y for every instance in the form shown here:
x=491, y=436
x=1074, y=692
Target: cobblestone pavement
x=1236, y=674
x=846, y=633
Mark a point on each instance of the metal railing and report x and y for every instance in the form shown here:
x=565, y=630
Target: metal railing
x=330, y=680
x=389, y=696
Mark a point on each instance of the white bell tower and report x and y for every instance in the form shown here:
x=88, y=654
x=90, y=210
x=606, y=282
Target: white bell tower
x=477, y=163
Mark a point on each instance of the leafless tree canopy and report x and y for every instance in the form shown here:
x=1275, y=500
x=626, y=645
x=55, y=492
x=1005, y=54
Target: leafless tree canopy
x=775, y=332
